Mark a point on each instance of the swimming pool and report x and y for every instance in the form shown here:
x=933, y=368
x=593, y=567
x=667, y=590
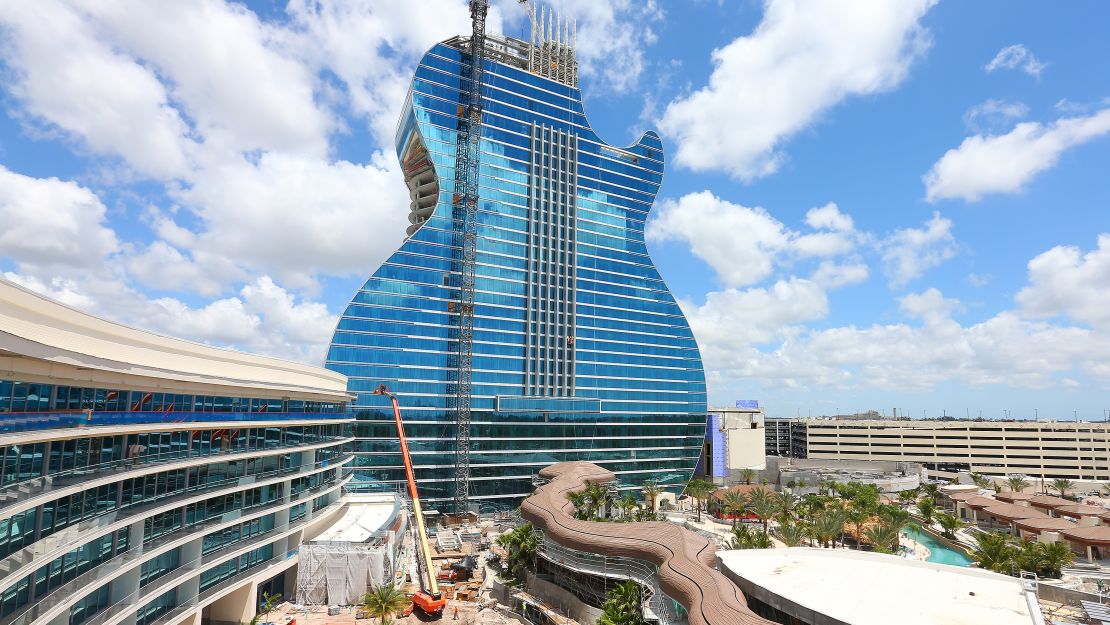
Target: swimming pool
x=938, y=551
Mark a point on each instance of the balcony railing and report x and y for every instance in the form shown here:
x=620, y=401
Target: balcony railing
x=63, y=540
x=25, y=421
x=38, y=485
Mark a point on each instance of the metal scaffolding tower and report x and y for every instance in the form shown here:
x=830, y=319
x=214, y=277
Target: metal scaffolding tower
x=466, y=219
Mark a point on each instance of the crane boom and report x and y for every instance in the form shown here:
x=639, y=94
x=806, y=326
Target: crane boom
x=429, y=599
x=466, y=211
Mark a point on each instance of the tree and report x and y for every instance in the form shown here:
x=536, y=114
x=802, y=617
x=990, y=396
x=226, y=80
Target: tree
x=927, y=507
x=828, y=525
x=787, y=503
x=1044, y=559
x=522, y=544
x=948, y=524
x=622, y=605
x=907, y=497
x=734, y=504
x=883, y=538
x=1106, y=488
x=761, y=503
x=994, y=552
x=931, y=490
x=747, y=475
x=268, y=603
x=384, y=601
x=699, y=489
x=598, y=499
x=745, y=538
x=1063, y=485
x=791, y=534
x=897, y=518
x=626, y=504
x=857, y=517
x=981, y=480
x=651, y=490
x=1017, y=483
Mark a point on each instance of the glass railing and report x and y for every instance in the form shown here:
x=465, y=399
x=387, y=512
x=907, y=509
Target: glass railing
x=18, y=491
x=59, y=540
x=185, y=570
x=24, y=421
x=646, y=574
x=127, y=559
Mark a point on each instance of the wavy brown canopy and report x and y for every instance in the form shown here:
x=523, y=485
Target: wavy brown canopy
x=685, y=559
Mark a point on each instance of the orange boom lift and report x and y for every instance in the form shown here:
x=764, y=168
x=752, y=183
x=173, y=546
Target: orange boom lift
x=428, y=599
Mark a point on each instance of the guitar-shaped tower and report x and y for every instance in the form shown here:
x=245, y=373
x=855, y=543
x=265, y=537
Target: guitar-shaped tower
x=577, y=349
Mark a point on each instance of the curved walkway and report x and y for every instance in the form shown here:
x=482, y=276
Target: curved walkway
x=685, y=559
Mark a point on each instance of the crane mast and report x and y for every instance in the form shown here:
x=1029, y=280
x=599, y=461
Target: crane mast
x=465, y=216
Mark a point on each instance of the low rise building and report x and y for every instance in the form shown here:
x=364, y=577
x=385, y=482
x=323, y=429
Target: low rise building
x=146, y=480
x=1041, y=450
x=808, y=586
x=805, y=475
x=734, y=441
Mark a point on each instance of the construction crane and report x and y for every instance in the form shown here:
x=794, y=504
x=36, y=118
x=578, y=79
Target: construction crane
x=428, y=599
x=467, y=156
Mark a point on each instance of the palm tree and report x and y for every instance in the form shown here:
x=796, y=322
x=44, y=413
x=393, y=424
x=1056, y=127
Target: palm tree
x=651, y=490
x=827, y=526
x=268, y=603
x=883, y=538
x=948, y=524
x=857, y=517
x=699, y=489
x=734, y=503
x=747, y=474
x=907, y=497
x=384, y=601
x=1063, y=485
x=927, y=507
x=1017, y=483
x=622, y=605
x=994, y=552
x=581, y=506
x=787, y=503
x=761, y=503
x=522, y=544
x=1046, y=559
x=626, y=504
x=981, y=480
x=897, y=518
x=791, y=534
x=1106, y=488
x=931, y=490
x=744, y=538
x=597, y=499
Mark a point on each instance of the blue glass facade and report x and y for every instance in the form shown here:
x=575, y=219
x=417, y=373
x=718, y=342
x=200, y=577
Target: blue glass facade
x=580, y=351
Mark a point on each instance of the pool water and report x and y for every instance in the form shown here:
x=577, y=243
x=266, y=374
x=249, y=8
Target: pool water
x=938, y=552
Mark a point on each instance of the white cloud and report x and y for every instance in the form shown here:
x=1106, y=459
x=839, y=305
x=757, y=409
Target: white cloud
x=738, y=242
x=832, y=275
x=612, y=37
x=66, y=75
x=1016, y=56
x=802, y=59
x=52, y=224
x=909, y=252
x=767, y=313
x=225, y=68
x=742, y=244
x=298, y=216
x=1064, y=282
x=993, y=114
x=1006, y=163
x=372, y=46
x=829, y=217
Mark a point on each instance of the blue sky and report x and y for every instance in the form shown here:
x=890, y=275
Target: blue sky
x=867, y=205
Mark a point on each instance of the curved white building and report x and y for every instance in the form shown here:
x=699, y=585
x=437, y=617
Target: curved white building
x=146, y=480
